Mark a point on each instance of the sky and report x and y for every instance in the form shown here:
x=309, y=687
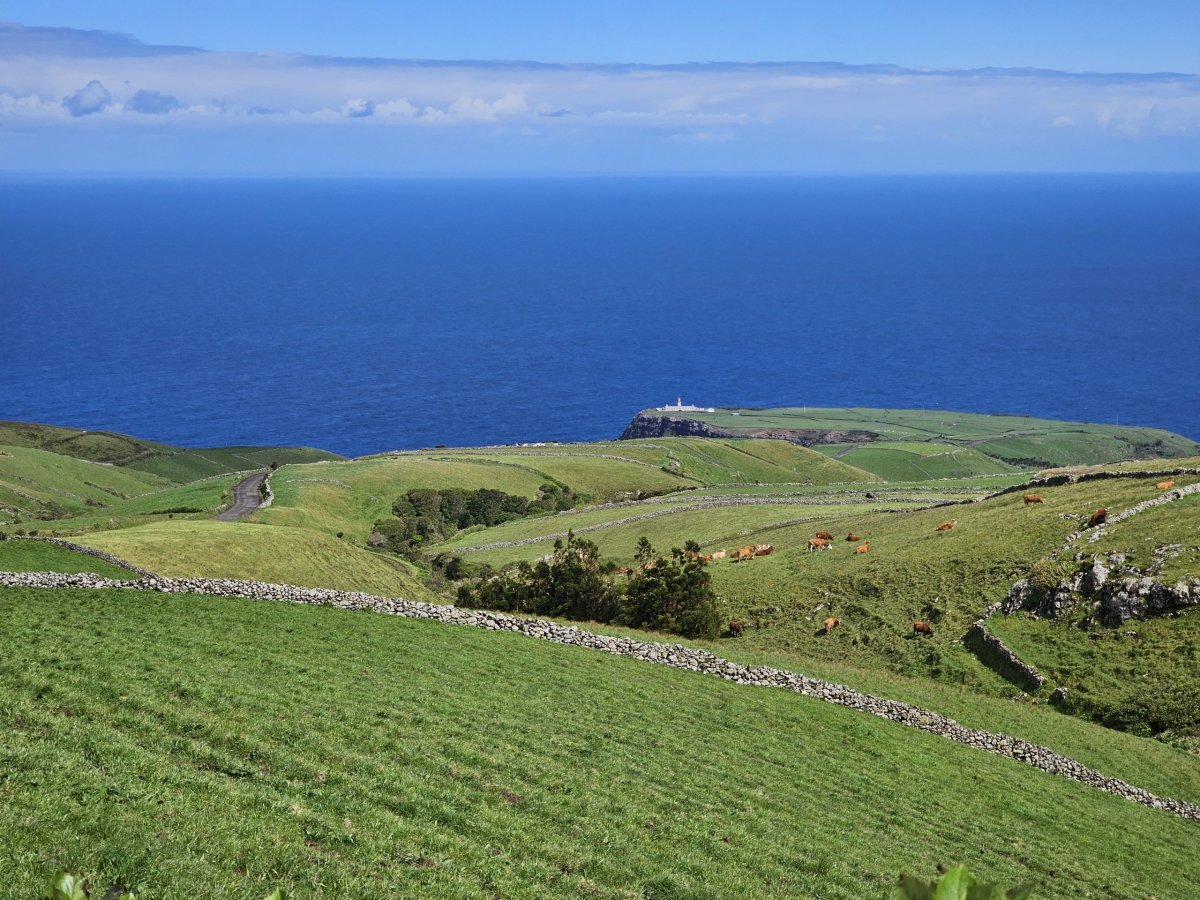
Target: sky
x=712, y=86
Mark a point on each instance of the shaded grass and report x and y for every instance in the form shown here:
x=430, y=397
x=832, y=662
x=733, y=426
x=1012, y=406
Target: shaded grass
x=38, y=556
x=247, y=745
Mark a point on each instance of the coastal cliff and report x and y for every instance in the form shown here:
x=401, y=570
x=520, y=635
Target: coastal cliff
x=645, y=425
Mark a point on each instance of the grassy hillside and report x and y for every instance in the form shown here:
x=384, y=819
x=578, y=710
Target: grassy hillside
x=263, y=552
x=1015, y=440
x=248, y=745
x=172, y=463
x=40, y=485
x=912, y=571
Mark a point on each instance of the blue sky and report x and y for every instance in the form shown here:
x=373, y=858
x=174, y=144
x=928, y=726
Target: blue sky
x=354, y=87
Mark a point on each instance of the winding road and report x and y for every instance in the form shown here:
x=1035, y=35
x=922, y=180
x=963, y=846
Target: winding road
x=246, y=498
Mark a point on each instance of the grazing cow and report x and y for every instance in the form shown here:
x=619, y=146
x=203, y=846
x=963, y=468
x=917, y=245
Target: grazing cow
x=853, y=538
x=947, y=526
x=720, y=554
x=743, y=553
x=818, y=544
x=1166, y=485
x=831, y=623
x=735, y=629
x=1033, y=498
x=1098, y=517
x=922, y=628
x=863, y=548
x=764, y=550
x=825, y=535
x=624, y=570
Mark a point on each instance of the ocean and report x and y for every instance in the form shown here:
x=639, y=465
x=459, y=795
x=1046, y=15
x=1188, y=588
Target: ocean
x=362, y=315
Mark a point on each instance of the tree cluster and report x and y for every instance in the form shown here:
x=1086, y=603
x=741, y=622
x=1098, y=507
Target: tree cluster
x=425, y=516
x=664, y=593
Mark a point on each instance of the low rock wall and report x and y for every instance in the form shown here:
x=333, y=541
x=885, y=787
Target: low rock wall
x=997, y=655
x=674, y=655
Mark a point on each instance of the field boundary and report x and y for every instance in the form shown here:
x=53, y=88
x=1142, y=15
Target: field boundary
x=673, y=655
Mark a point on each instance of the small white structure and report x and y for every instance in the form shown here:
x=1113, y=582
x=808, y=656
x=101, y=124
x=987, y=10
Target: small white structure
x=680, y=407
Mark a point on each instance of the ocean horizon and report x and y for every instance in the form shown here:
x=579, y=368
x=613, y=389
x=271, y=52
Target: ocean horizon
x=367, y=315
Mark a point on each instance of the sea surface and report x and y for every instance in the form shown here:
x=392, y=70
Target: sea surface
x=361, y=316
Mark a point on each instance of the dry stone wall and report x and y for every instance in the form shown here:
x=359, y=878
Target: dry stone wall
x=674, y=655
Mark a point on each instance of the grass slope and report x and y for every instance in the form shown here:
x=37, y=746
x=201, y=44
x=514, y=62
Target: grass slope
x=250, y=745
x=1018, y=440
x=173, y=463
x=260, y=552
x=40, y=485
x=38, y=556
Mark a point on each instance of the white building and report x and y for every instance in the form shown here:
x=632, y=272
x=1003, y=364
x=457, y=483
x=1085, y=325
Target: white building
x=679, y=407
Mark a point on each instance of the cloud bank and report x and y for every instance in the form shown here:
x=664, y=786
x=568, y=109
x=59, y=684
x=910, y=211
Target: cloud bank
x=401, y=115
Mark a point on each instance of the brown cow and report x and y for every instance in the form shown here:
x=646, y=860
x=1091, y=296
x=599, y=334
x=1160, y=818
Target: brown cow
x=831, y=623
x=624, y=570
x=1098, y=517
x=863, y=548
x=922, y=628
x=720, y=554
x=946, y=526
x=818, y=544
x=824, y=535
x=764, y=550
x=853, y=538
x=735, y=629
x=743, y=553
x=1033, y=498
x=1166, y=485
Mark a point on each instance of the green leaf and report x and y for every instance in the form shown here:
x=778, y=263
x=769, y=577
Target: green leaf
x=274, y=895
x=1020, y=892
x=955, y=884
x=66, y=886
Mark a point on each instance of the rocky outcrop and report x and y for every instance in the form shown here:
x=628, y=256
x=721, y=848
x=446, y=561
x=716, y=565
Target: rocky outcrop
x=1106, y=590
x=648, y=426
x=675, y=655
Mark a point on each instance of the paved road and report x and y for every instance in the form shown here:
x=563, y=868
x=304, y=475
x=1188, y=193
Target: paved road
x=246, y=498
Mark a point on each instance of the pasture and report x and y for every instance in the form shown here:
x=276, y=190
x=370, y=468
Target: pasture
x=251, y=745
x=261, y=552
x=1021, y=441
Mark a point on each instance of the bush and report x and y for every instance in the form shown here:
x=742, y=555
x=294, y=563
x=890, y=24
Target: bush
x=672, y=594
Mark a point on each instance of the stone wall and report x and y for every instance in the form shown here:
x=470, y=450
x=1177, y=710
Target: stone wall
x=1000, y=657
x=674, y=655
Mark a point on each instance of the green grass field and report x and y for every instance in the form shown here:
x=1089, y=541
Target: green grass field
x=913, y=461
x=248, y=745
x=1017, y=440
x=260, y=552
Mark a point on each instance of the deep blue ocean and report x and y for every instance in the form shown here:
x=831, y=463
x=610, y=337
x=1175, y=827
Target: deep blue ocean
x=366, y=315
